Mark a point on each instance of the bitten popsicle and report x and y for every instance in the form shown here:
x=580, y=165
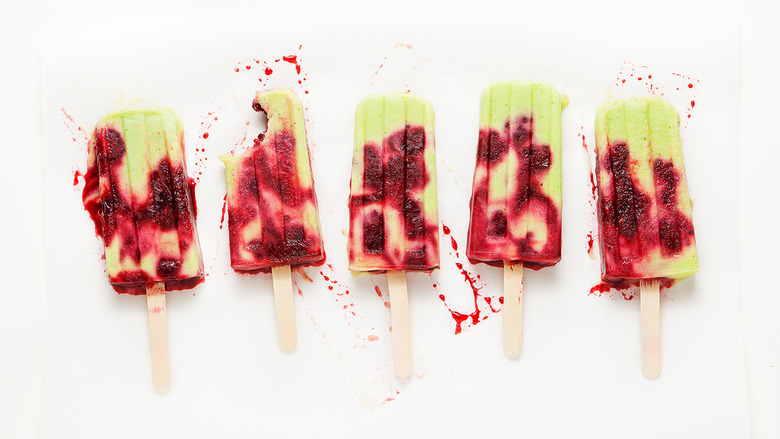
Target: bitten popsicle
x=516, y=194
x=645, y=213
x=394, y=220
x=272, y=208
x=142, y=203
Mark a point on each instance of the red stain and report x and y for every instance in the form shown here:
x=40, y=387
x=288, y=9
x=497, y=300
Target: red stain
x=77, y=133
x=205, y=135
x=293, y=59
x=76, y=176
x=379, y=293
x=453, y=243
x=623, y=291
x=248, y=67
x=600, y=289
x=300, y=293
x=372, y=338
x=483, y=306
x=224, y=209
x=590, y=243
x=268, y=70
x=693, y=104
x=237, y=69
x=690, y=85
x=480, y=312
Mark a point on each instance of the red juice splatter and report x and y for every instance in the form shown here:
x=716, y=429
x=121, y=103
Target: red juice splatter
x=480, y=312
x=690, y=85
x=76, y=176
x=268, y=70
x=590, y=243
x=453, y=243
x=224, y=209
x=293, y=59
x=205, y=135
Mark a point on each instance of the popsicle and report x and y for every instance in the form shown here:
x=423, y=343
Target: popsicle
x=272, y=208
x=394, y=220
x=516, y=194
x=142, y=203
x=645, y=212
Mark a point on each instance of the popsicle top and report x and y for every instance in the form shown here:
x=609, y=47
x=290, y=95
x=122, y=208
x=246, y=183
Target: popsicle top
x=645, y=212
x=516, y=194
x=394, y=220
x=272, y=206
x=142, y=202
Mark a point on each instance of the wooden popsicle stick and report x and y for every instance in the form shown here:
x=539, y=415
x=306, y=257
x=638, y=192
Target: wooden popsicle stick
x=650, y=306
x=285, y=307
x=399, y=319
x=158, y=336
x=513, y=308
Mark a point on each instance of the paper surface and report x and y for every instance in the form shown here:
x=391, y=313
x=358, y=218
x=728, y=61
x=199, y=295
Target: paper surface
x=579, y=373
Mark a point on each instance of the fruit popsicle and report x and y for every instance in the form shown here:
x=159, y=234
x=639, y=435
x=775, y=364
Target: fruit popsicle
x=272, y=208
x=142, y=202
x=394, y=223
x=516, y=194
x=645, y=221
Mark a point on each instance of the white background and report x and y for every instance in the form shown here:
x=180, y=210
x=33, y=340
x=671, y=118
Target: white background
x=23, y=315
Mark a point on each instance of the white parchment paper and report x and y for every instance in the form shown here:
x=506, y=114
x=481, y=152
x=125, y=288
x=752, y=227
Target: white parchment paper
x=579, y=374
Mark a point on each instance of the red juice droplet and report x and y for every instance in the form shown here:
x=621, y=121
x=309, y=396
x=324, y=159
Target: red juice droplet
x=224, y=209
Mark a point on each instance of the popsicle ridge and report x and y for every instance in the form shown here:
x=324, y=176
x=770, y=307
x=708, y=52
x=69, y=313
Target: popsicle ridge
x=516, y=196
x=646, y=224
x=272, y=206
x=393, y=210
x=142, y=202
